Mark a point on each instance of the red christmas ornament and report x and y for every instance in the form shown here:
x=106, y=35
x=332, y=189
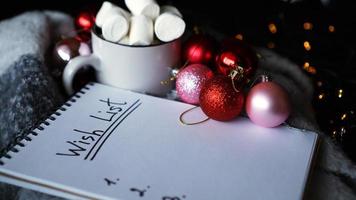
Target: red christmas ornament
x=199, y=49
x=236, y=55
x=65, y=50
x=69, y=48
x=85, y=20
x=219, y=100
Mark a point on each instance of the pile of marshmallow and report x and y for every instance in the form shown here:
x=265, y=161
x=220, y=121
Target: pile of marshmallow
x=146, y=22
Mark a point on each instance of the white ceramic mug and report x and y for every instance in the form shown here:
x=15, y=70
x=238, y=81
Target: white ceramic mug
x=136, y=68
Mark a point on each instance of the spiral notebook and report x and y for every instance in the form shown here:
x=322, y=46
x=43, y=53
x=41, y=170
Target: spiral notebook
x=108, y=143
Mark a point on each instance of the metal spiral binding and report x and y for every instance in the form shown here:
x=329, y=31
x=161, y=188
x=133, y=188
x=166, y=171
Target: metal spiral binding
x=19, y=141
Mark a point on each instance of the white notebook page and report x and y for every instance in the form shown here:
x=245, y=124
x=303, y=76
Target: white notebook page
x=117, y=144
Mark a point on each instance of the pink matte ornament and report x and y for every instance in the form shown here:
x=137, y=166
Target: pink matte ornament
x=268, y=104
x=190, y=81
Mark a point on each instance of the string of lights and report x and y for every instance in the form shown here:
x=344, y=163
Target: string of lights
x=310, y=44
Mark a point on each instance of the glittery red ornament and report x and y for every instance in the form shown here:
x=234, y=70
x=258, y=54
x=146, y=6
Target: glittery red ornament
x=199, y=48
x=219, y=100
x=236, y=55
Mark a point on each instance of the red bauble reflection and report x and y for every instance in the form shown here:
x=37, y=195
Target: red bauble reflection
x=68, y=48
x=219, y=100
x=199, y=48
x=236, y=53
x=85, y=20
x=226, y=61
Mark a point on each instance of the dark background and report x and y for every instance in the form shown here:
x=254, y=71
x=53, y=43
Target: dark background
x=332, y=57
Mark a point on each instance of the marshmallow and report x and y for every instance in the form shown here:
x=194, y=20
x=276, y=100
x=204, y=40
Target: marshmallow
x=100, y=16
x=123, y=12
x=148, y=8
x=125, y=40
x=107, y=10
x=115, y=27
x=141, y=31
x=169, y=25
x=151, y=10
x=171, y=9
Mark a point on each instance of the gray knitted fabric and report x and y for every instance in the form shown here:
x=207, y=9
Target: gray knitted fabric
x=28, y=95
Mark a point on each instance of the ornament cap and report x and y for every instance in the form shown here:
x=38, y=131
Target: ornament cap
x=265, y=78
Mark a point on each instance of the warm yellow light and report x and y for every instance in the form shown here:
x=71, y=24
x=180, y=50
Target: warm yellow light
x=271, y=45
x=340, y=93
x=239, y=36
x=334, y=133
x=321, y=96
x=309, y=68
x=307, y=26
x=331, y=28
x=343, y=116
x=272, y=28
x=307, y=46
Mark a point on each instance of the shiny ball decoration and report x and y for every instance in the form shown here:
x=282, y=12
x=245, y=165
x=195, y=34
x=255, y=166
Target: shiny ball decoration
x=69, y=48
x=268, y=104
x=199, y=48
x=190, y=80
x=219, y=100
x=235, y=54
x=63, y=51
x=85, y=20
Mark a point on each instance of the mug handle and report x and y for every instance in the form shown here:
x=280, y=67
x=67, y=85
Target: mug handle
x=73, y=67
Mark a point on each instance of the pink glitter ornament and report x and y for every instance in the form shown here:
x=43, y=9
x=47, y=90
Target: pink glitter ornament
x=190, y=81
x=268, y=104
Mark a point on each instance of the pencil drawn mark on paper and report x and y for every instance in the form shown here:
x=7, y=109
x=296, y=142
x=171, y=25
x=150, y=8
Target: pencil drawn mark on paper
x=90, y=142
x=173, y=198
x=110, y=182
x=141, y=193
x=113, y=109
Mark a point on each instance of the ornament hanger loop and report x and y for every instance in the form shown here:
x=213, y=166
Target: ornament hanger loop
x=262, y=78
x=237, y=72
x=167, y=81
x=265, y=78
x=190, y=123
x=174, y=75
